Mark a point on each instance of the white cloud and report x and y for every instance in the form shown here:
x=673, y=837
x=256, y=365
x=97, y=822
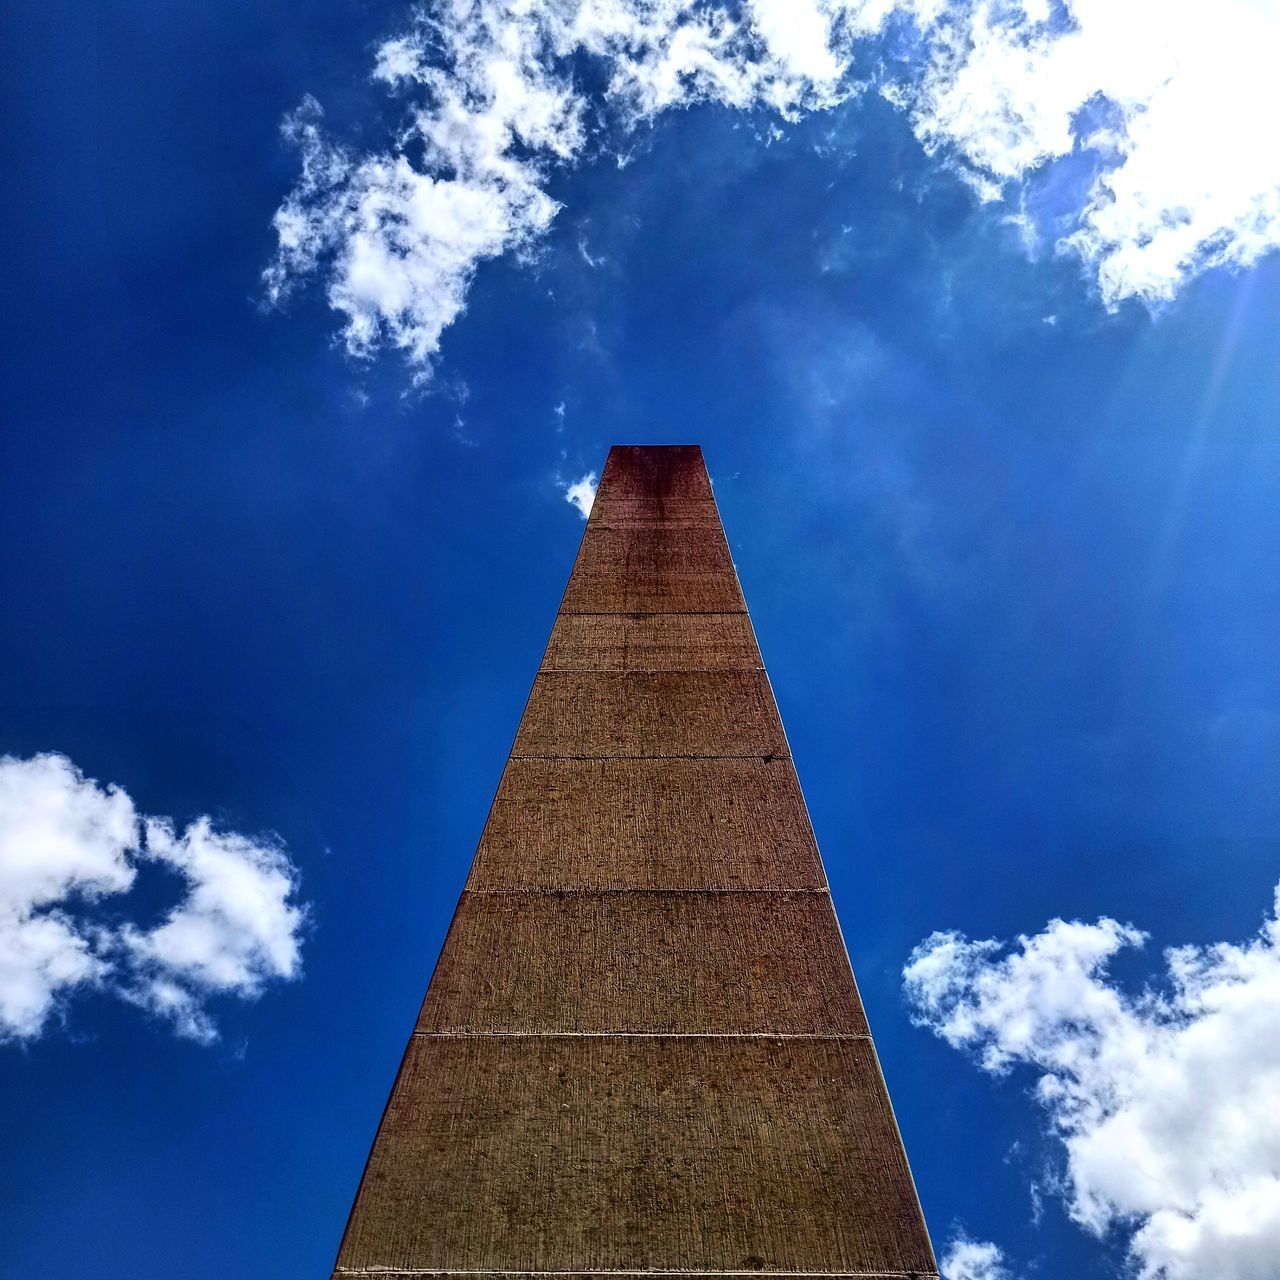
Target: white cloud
x=70, y=847
x=1163, y=107
x=400, y=244
x=491, y=103
x=967, y=1259
x=1167, y=107
x=585, y=254
x=63, y=841
x=235, y=930
x=581, y=493
x=1163, y=1100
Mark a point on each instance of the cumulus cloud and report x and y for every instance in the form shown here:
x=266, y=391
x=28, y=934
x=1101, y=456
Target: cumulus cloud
x=581, y=493
x=1140, y=130
x=234, y=930
x=1163, y=107
x=1163, y=1099
x=967, y=1259
x=70, y=848
x=62, y=840
x=491, y=103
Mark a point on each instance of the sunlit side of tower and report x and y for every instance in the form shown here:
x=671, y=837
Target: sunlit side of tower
x=642, y=1049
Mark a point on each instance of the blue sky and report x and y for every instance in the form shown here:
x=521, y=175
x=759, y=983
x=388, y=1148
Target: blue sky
x=997, y=458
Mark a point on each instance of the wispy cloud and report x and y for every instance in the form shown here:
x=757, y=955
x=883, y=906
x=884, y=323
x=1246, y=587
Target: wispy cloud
x=70, y=847
x=1152, y=117
x=595, y=263
x=581, y=493
x=1164, y=1101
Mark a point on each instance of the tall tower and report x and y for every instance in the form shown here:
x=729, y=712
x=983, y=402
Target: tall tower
x=642, y=1049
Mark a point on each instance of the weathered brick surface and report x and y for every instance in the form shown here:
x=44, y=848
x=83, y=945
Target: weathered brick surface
x=653, y=569
x=652, y=642
x=647, y=824
x=550, y=1153
x=746, y=963
x=668, y=713
x=382, y=1274
x=655, y=474
x=673, y=513
x=621, y=553
x=642, y=1049
x=653, y=592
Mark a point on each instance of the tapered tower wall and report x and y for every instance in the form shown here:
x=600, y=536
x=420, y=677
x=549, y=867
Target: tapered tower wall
x=642, y=1049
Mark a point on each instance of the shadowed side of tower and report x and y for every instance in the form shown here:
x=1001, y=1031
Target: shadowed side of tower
x=642, y=1049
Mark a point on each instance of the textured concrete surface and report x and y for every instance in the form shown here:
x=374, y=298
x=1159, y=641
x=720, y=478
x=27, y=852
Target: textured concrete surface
x=596, y=1153
x=647, y=824
x=653, y=568
x=650, y=714
x=642, y=1050
x=745, y=962
x=612, y=512
x=652, y=642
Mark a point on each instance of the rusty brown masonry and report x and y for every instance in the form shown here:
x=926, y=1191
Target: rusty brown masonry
x=642, y=1049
